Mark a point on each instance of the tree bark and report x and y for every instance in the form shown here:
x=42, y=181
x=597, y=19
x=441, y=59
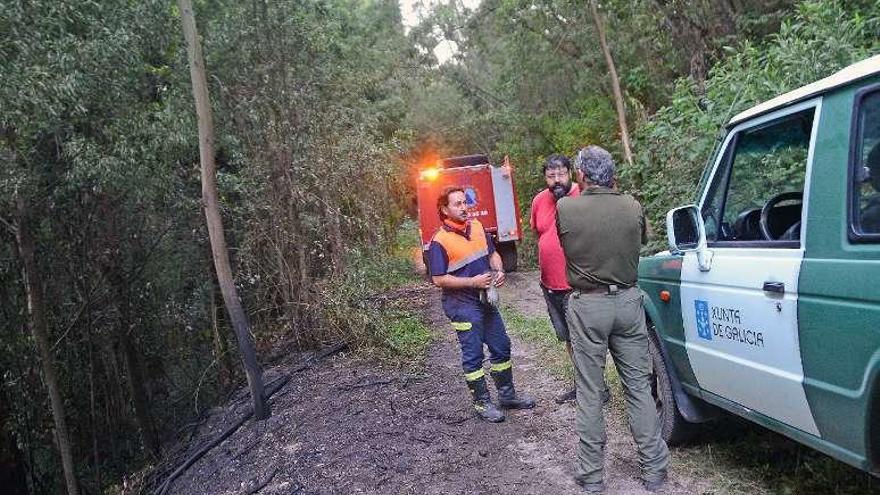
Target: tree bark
x=225, y=367
x=138, y=392
x=93, y=409
x=237, y=316
x=33, y=286
x=331, y=220
x=13, y=477
x=114, y=396
x=615, y=83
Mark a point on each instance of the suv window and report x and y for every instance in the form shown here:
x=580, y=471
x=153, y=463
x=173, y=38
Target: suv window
x=757, y=192
x=866, y=217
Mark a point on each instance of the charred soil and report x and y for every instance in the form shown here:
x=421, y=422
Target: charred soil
x=352, y=425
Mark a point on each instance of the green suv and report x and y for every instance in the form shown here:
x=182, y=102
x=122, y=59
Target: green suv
x=767, y=304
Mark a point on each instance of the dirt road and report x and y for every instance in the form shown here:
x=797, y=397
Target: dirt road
x=346, y=426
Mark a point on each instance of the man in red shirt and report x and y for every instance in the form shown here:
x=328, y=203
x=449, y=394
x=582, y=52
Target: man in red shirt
x=551, y=259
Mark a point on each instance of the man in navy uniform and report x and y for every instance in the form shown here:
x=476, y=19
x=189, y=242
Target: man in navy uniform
x=461, y=260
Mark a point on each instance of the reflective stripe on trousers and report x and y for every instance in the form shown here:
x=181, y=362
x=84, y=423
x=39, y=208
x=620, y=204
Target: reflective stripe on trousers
x=478, y=325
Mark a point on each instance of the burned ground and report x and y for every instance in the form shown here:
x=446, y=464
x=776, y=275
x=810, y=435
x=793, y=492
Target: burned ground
x=352, y=425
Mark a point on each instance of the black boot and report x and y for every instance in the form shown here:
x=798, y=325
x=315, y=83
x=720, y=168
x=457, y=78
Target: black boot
x=483, y=402
x=507, y=396
x=569, y=396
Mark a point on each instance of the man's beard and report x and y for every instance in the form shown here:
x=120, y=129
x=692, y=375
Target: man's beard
x=560, y=191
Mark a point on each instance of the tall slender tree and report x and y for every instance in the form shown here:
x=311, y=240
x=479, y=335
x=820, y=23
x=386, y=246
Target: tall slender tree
x=615, y=83
x=237, y=316
x=33, y=285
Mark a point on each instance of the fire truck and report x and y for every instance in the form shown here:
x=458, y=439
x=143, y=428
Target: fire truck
x=490, y=197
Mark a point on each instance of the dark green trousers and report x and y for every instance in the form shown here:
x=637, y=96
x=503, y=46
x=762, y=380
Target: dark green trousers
x=616, y=322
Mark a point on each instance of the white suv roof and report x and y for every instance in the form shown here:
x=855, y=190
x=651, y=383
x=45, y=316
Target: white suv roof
x=846, y=75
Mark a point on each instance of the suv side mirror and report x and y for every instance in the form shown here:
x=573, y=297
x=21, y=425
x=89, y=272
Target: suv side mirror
x=687, y=233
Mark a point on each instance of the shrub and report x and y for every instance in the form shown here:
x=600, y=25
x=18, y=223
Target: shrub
x=674, y=145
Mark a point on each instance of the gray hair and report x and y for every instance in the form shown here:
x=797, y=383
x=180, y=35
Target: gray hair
x=596, y=165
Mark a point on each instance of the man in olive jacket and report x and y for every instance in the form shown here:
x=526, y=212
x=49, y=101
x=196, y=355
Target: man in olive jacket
x=602, y=231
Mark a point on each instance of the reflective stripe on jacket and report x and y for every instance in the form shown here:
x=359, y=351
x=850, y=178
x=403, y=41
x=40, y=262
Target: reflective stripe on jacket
x=461, y=250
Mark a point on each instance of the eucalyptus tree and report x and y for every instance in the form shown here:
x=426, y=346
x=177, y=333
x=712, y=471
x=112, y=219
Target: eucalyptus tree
x=312, y=98
x=615, y=82
x=237, y=315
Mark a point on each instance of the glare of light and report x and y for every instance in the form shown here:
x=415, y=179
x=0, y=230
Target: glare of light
x=430, y=174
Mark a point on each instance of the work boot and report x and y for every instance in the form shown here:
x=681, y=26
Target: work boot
x=507, y=396
x=654, y=485
x=483, y=401
x=598, y=487
x=569, y=396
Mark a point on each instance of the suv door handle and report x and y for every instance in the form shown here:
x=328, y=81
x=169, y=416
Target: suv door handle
x=777, y=287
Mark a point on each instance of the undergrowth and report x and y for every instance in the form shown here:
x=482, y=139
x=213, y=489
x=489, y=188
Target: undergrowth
x=737, y=456
x=407, y=334
x=373, y=305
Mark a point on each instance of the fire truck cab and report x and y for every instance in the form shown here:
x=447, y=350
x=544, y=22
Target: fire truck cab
x=490, y=196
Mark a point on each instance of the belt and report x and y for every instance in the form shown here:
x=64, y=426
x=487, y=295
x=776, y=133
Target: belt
x=603, y=289
x=555, y=291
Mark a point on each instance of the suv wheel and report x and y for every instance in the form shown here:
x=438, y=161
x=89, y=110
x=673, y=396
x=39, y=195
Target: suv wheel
x=673, y=426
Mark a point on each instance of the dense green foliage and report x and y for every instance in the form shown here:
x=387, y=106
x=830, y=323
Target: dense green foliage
x=529, y=80
x=674, y=145
x=98, y=144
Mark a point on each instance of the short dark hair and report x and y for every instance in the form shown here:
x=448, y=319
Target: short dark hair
x=443, y=199
x=556, y=161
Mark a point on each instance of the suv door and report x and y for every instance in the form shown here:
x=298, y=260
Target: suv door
x=839, y=303
x=740, y=310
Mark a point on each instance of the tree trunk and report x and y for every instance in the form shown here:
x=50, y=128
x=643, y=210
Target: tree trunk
x=39, y=327
x=13, y=477
x=138, y=391
x=615, y=84
x=93, y=408
x=237, y=316
x=225, y=370
x=302, y=260
x=331, y=220
x=114, y=396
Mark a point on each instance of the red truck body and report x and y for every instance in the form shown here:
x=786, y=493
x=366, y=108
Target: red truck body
x=490, y=195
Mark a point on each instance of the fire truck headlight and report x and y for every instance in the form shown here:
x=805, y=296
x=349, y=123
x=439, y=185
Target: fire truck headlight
x=430, y=174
